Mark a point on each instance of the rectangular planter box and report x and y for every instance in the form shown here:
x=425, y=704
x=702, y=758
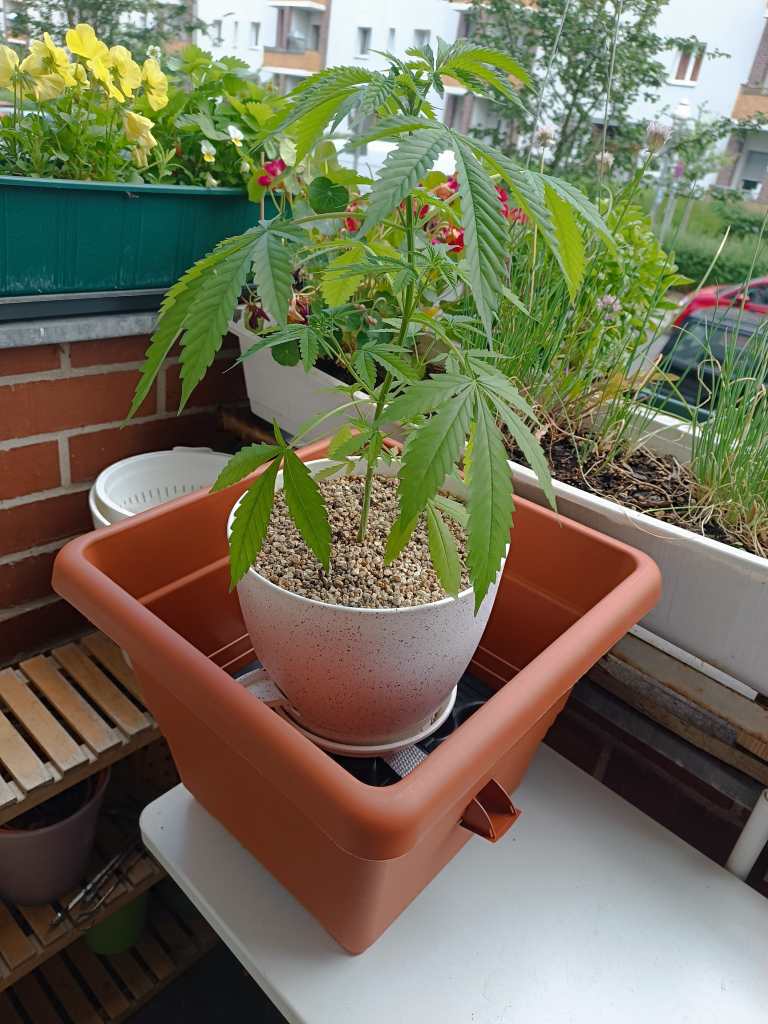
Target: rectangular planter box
x=714, y=601
x=287, y=393
x=355, y=856
x=81, y=236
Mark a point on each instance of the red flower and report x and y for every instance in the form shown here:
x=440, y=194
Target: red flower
x=271, y=171
x=454, y=237
x=351, y=223
x=453, y=183
x=517, y=216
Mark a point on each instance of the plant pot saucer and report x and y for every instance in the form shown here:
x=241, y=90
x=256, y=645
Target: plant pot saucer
x=421, y=732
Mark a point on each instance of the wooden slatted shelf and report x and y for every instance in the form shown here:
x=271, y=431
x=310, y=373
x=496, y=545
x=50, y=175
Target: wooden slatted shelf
x=65, y=716
x=78, y=987
x=27, y=936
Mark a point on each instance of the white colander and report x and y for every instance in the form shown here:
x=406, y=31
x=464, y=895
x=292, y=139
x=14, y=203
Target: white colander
x=145, y=481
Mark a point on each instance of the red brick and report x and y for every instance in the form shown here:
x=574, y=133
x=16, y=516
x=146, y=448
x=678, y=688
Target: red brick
x=39, y=629
x=30, y=468
x=43, y=406
x=33, y=359
x=41, y=522
x=107, y=351
x=26, y=580
x=220, y=384
x=90, y=453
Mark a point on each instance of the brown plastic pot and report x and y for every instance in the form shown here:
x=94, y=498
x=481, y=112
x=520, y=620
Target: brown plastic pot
x=40, y=864
x=355, y=856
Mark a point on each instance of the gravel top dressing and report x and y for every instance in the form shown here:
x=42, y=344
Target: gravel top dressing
x=358, y=577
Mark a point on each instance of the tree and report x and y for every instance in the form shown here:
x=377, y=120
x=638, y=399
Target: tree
x=574, y=97
x=135, y=24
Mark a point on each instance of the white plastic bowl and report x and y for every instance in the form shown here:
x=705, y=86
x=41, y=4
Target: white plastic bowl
x=145, y=481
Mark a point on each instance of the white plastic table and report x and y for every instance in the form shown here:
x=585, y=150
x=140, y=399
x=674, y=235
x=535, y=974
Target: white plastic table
x=586, y=912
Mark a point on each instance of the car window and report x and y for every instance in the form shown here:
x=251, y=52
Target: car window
x=758, y=294
x=696, y=340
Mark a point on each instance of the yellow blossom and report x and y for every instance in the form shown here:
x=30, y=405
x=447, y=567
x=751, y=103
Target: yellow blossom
x=45, y=87
x=125, y=69
x=82, y=41
x=80, y=73
x=135, y=126
x=155, y=84
x=44, y=56
x=9, y=61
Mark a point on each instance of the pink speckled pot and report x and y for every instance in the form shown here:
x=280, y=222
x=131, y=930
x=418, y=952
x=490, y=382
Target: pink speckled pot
x=361, y=675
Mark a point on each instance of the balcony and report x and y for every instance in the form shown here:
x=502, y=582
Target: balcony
x=301, y=5
x=752, y=100
x=291, y=60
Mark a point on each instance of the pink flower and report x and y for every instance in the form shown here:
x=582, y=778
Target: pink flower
x=351, y=223
x=271, y=171
x=453, y=236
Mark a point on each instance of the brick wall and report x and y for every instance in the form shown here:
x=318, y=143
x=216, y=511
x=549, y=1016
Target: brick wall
x=61, y=410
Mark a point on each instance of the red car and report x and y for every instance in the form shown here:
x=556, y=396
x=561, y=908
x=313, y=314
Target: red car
x=728, y=295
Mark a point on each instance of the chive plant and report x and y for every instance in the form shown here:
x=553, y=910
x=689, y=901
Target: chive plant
x=449, y=414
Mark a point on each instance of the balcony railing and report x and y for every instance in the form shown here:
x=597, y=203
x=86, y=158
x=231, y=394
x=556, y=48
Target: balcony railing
x=292, y=59
x=752, y=99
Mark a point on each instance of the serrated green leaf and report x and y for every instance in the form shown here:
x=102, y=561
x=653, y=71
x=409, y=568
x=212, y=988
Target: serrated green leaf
x=430, y=452
x=342, y=434
x=399, y=535
x=455, y=509
x=443, y=552
x=402, y=171
x=273, y=274
x=570, y=241
x=391, y=127
x=489, y=503
x=531, y=449
x=336, y=287
x=309, y=347
x=328, y=472
x=245, y=462
x=485, y=233
x=584, y=206
x=209, y=316
x=395, y=364
x=307, y=507
x=251, y=522
x=365, y=368
x=424, y=396
x=352, y=445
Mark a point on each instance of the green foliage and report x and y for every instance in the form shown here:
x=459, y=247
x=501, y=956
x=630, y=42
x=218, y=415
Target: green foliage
x=694, y=253
x=372, y=298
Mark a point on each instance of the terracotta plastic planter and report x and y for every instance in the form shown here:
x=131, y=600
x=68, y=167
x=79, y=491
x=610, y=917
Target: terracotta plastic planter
x=38, y=865
x=355, y=856
x=361, y=675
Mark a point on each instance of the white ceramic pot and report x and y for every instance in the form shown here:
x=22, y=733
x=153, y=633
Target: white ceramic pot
x=361, y=675
x=288, y=394
x=714, y=601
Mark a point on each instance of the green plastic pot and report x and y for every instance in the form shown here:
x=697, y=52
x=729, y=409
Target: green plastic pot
x=89, y=236
x=120, y=930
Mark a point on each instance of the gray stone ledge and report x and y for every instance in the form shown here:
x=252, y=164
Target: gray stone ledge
x=59, y=330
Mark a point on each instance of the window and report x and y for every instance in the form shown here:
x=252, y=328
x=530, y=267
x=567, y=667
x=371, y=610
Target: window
x=363, y=41
x=755, y=165
x=216, y=38
x=255, y=32
x=314, y=37
x=235, y=33
x=391, y=41
x=421, y=37
x=687, y=66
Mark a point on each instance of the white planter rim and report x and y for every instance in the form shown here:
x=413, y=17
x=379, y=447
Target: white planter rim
x=321, y=463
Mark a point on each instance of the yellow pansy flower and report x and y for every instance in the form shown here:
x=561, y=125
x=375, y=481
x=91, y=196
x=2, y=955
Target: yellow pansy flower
x=82, y=41
x=125, y=69
x=136, y=126
x=155, y=84
x=209, y=151
x=44, y=56
x=9, y=61
x=45, y=87
x=80, y=73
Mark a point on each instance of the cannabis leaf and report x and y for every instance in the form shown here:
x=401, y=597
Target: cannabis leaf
x=245, y=462
x=251, y=521
x=307, y=507
x=442, y=550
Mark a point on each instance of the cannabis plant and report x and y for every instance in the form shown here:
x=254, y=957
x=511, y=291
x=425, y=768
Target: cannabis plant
x=451, y=413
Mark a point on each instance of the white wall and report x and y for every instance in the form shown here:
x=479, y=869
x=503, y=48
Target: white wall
x=243, y=12
x=733, y=26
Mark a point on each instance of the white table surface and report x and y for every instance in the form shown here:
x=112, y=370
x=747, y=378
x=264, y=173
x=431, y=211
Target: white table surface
x=586, y=912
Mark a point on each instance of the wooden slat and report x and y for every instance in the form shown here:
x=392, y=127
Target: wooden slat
x=154, y=956
x=101, y=690
x=172, y=934
x=40, y=723
x=753, y=744
x=7, y=796
x=35, y=1001
x=39, y=919
x=97, y=979
x=68, y=992
x=15, y=947
x=111, y=657
x=89, y=725
x=20, y=760
x=136, y=981
x=8, y=1014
